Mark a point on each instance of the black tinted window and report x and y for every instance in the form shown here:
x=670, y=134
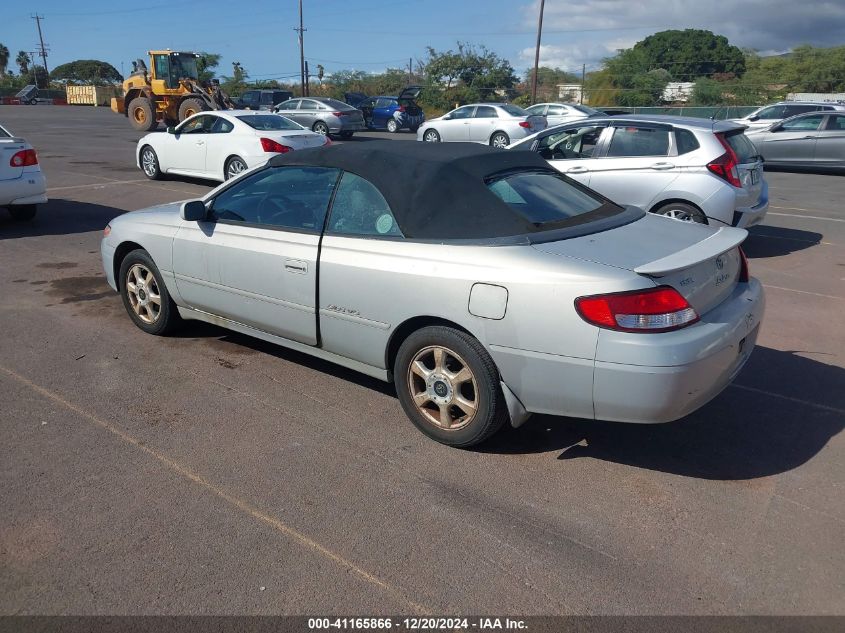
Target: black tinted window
x=836, y=122
x=792, y=110
x=269, y=122
x=267, y=98
x=360, y=209
x=250, y=97
x=284, y=197
x=222, y=126
x=686, y=141
x=543, y=197
x=639, y=141
x=571, y=143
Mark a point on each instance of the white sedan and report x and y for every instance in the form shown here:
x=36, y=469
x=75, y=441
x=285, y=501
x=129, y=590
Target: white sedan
x=222, y=145
x=22, y=184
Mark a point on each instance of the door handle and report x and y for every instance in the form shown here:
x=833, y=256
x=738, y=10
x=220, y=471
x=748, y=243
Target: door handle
x=577, y=170
x=663, y=165
x=296, y=266
x=809, y=136
x=200, y=142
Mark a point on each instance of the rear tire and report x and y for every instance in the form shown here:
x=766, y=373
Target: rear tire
x=499, y=139
x=145, y=296
x=22, y=212
x=681, y=211
x=431, y=136
x=190, y=107
x=320, y=128
x=392, y=126
x=235, y=166
x=449, y=386
x=149, y=163
x=142, y=114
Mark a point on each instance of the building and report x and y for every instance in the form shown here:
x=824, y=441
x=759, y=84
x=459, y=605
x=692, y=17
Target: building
x=570, y=93
x=678, y=91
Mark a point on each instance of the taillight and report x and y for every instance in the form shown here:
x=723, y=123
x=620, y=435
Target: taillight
x=743, y=267
x=725, y=165
x=24, y=158
x=327, y=140
x=401, y=108
x=660, y=309
x=269, y=145
x=524, y=124
x=340, y=113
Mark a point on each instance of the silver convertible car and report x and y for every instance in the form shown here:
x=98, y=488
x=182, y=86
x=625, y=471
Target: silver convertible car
x=484, y=283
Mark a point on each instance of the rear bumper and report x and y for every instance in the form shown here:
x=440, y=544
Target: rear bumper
x=30, y=188
x=746, y=217
x=347, y=126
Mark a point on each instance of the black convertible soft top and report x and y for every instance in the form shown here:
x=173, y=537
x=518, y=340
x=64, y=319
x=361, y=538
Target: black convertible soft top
x=436, y=191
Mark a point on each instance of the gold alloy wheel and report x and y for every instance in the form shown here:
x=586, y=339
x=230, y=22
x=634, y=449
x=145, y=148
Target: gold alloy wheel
x=140, y=115
x=443, y=388
x=143, y=292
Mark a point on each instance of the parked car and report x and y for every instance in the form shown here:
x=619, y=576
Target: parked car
x=777, y=112
x=498, y=289
x=262, y=99
x=557, y=113
x=393, y=113
x=323, y=115
x=22, y=183
x=815, y=139
x=688, y=169
x=496, y=124
x=221, y=145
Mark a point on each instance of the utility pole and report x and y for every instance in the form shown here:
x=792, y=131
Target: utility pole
x=43, y=51
x=410, y=70
x=301, y=30
x=307, y=87
x=537, y=53
x=581, y=92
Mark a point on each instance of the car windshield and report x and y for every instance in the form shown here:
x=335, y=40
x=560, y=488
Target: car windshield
x=585, y=109
x=514, y=110
x=269, y=122
x=546, y=198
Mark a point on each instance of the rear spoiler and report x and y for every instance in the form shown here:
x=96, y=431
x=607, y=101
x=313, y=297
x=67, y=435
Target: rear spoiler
x=723, y=240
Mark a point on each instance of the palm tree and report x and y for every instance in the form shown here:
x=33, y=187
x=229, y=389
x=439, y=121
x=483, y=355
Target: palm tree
x=4, y=60
x=23, y=60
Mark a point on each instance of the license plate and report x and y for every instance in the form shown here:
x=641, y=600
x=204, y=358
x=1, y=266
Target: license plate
x=755, y=176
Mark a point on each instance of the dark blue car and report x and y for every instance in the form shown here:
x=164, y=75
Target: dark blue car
x=393, y=113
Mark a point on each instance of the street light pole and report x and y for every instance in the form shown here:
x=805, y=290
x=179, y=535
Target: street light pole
x=537, y=53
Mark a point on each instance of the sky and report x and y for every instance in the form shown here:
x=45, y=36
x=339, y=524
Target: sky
x=373, y=35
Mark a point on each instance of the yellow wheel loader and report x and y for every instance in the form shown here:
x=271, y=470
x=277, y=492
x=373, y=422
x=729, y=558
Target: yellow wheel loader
x=168, y=92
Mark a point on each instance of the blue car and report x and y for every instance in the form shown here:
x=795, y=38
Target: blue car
x=393, y=113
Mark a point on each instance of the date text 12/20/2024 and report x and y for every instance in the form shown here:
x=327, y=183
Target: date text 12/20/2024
x=416, y=624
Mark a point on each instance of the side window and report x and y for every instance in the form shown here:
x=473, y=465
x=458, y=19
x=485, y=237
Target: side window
x=293, y=104
x=198, y=125
x=307, y=104
x=367, y=103
x=486, y=112
x=266, y=98
x=772, y=112
x=536, y=109
x=792, y=110
x=162, y=67
x=381, y=102
x=686, y=141
x=463, y=113
x=836, y=122
x=292, y=197
x=360, y=209
x=639, y=141
x=556, y=110
x=804, y=123
x=572, y=143
x=222, y=126
x=249, y=97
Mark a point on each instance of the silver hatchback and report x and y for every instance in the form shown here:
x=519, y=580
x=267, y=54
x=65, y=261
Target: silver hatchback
x=496, y=124
x=323, y=116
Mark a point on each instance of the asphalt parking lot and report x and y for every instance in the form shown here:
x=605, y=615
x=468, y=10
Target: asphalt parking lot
x=211, y=473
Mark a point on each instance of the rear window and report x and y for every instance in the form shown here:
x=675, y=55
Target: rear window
x=335, y=104
x=269, y=122
x=742, y=147
x=514, y=110
x=544, y=198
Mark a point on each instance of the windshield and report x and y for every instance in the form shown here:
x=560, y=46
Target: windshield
x=269, y=122
x=183, y=65
x=547, y=198
x=514, y=110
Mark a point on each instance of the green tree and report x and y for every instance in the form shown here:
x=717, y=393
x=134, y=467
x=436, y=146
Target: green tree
x=469, y=74
x=547, y=82
x=89, y=71
x=38, y=76
x=4, y=59
x=235, y=84
x=23, y=61
x=206, y=63
x=690, y=54
x=707, y=92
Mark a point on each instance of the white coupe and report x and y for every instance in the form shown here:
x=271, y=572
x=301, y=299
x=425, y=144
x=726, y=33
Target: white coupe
x=222, y=145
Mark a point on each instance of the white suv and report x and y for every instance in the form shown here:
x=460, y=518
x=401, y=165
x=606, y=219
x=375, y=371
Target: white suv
x=771, y=114
x=696, y=170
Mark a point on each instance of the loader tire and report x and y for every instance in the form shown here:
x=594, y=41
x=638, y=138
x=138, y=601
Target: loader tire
x=142, y=114
x=190, y=107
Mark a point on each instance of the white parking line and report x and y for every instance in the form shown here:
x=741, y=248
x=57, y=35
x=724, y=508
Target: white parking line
x=96, y=185
x=807, y=403
x=804, y=292
x=807, y=217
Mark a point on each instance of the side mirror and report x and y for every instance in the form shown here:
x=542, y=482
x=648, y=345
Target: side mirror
x=753, y=118
x=776, y=128
x=446, y=117
x=193, y=211
x=171, y=129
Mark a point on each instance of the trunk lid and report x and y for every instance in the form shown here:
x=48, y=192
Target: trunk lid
x=297, y=140
x=8, y=148
x=701, y=263
x=537, y=122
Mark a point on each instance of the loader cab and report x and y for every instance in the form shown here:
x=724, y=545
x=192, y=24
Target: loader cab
x=169, y=67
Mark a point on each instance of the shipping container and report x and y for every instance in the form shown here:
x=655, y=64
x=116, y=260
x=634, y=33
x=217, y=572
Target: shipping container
x=91, y=95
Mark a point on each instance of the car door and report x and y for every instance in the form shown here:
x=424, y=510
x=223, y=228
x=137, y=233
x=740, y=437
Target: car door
x=218, y=143
x=793, y=141
x=570, y=150
x=455, y=124
x=366, y=107
x=483, y=123
x=289, y=109
x=254, y=260
x=381, y=112
x=636, y=166
x=830, y=144
x=308, y=113
x=187, y=149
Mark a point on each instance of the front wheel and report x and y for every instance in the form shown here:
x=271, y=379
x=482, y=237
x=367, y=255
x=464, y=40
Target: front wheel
x=499, y=139
x=191, y=106
x=449, y=386
x=431, y=136
x=392, y=126
x=321, y=128
x=145, y=296
x=682, y=211
x=149, y=163
x=142, y=114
